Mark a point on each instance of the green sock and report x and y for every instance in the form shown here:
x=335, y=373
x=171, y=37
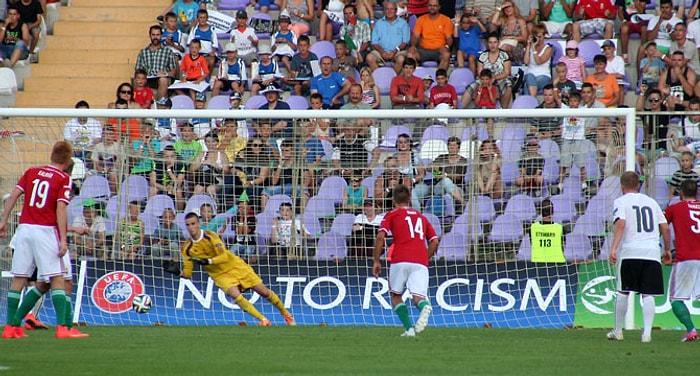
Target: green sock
x=30, y=298
x=58, y=297
x=12, y=304
x=422, y=304
x=682, y=314
x=402, y=311
x=69, y=312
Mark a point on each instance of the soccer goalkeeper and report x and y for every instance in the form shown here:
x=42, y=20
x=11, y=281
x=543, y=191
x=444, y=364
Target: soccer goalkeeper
x=229, y=272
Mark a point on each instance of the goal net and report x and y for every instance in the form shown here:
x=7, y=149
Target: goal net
x=300, y=194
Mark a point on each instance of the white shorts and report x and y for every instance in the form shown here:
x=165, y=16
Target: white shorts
x=36, y=247
x=555, y=27
x=407, y=275
x=684, y=283
x=68, y=272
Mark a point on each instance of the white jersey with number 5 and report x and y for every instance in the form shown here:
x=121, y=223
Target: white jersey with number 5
x=642, y=216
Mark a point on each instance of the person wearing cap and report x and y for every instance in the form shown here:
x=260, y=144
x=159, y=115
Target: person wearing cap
x=631, y=23
x=595, y=17
x=331, y=85
x=432, y=37
x=82, y=133
x=268, y=70
x=651, y=66
x=285, y=42
x=390, y=38
x=680, y=42
x=232, y=72
x=557, y=16
x=615, y=66
x=364, y=229
x=574, y=63
x=207, y=37
x=301, y=67
x=531, y=166
x=357, y=35
x=244, y=38
x=280, y=127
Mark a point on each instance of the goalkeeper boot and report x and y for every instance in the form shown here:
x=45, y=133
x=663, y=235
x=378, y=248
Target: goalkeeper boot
x=290, y=320
x=422, y=322
x=265, y=322
x=614, y=336
x=75, y=333
x=32, y=323
x=409, y=333
x=690, y=336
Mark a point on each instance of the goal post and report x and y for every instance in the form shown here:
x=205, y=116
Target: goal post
x=482, y=275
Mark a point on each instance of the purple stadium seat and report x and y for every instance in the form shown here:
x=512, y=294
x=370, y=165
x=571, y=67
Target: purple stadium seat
x=312, y=224
x=564, y=209
x=297, y=102
x=482, y=208
x=658, y=190
x=260, y=16
x=369, y=183
x=577, y=247
x=331, y=246
x=610, y=187
x=664, y=167
x=506, y=228
x=454, y=246
x=156, y=204
x=182, y=102
x=522, y=206
x=232, y=5
x=96, y=186
x=219, y=102
x=150, y=223
x=551, y=170
x=320, y=207
x=342, y=224
x=323, y=48
x=549, y=148
x=461, y=78
x=509, y=172
x=590, y=225
x=263, y=231
x=471, y=229
x=572, y=188
x=525, y=249
x=391, y=135
x=382, y=78
x=525, y=102
x=421, y=72
x=587, y=49
x=196, y=202
x=273, y=204
x=600, y=207
x=254, y=102
x=135, y=188
x=436, y=132
x=333, y=189
x=479, y=131
x=435, y=221
x=557, y=52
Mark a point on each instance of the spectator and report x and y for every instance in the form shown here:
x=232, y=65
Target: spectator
x=331, y=85
x=232, y=72
x=631, y=23
x=343, y=62
x=130, y=234
x=282, y=178
x=168, y=177
x=125, y=92
x=268, y=70
x=499, y=63
x=547, y=237
x=129, y=128
x=370, y=91
x=92, y=243
x=575, y=65
x=418, y=7
x=386, y=182
x=365, y=11
x=656, y=126
x=390, y=38
x=364, y=229
x=105, y=157
x=546, y=127
x=469, y=33
x=283, y=126
x=209, y=44
x=186, y=11
x=677, y=83
x=562, y=85
x=263, y=4
x=188, y=146
x=172, y=37
x=287, y=232
x=531, y=166
x=448, y=172
x=312, y=151
x=595, y=17
x=442, y=92
x=255, y=163
x=15, y=38
x=330, y=18
x=660, y=29
x=244, y=244
x=615, y=66
x=352, y=152
x=528, y=10
x=357, y=35
x=166, y=239
x=244, y=38
x=158, y=61
x=208, y=167
x=321, y=126
x=166, y=127
x=301, y=67
x=513, y=31
x=410, y=166
x=428, y=81
x=573, y=134
x=285, y=43
x=143, y=95
x=685, y=173
x=202, y=125
x=355, y=103
x=557, y=17
x=144, y=151
x=208, y=220
x=194, y=68
x=538, y=56
x=29, y=14
x=432, y=37
x=486, y=95
x=605, y=85
x=301, y=13
x=83, y=133
x=355, y=193
x=406, y=90
x=651, y=65
x=488, y=181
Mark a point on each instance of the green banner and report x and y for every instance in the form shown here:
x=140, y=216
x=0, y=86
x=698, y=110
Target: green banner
x=595, y=300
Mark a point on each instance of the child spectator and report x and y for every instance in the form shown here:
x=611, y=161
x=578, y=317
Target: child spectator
x=344, y=63
x=131, y=236
x=562, y=84
x=322, y=128
x=201, y=125
x=615, y=66
x=370, y=91
x=488, y=174
x=232, y=73
x=364, y=229
x=244, y=223
x=427, y=85
x=531, y=166
x=168, y=177
x=209, y=43
x=91, y=243
x=105, y=157
x=442, y=92
x=187, y=147
x=573, y=133
x=172, y=37
x=207, y=220
x=651, y=66
x=301, y=71
x=268, y=70
x=208, y=167
x=486, y=94
x=685, y=173
x=194, y=67
x=355, y=194
x=165, y=241
x=244, y=38
x=186, y=11
x=144, y=151
x=166, y=128
x=282, y=229
x=469, y=33
x=143, y=95
x=285, y=42
x=575, y=65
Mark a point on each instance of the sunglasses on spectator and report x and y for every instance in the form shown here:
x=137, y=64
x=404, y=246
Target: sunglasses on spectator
x=654, y=99
x=125, y=91
x=257, y=144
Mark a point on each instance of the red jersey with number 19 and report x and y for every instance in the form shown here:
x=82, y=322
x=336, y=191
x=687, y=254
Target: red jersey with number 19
x=43, y=188
x=410, y=230
x=685, y=217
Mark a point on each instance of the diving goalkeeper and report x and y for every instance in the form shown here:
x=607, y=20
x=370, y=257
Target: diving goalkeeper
x=229, y=272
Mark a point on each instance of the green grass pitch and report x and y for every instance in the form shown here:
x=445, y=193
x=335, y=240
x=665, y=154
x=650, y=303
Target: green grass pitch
x=252, y=350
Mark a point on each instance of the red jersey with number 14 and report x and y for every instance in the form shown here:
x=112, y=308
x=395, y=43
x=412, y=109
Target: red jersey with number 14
x=685, y=217
x=43, y=188
x=410, y=230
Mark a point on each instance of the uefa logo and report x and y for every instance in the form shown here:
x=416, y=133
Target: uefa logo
x=113, y=292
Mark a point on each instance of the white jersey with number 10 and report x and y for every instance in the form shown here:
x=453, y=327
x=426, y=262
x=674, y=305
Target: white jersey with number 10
x=642, y=216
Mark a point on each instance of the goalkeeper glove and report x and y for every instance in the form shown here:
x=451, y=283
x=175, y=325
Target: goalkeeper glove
x=201, y=261
x=171, y=266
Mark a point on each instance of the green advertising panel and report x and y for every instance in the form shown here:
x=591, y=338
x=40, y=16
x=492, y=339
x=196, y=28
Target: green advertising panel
x=595, y=300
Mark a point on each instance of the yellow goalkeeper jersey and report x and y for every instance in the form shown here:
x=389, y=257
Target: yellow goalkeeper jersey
x=210, y=246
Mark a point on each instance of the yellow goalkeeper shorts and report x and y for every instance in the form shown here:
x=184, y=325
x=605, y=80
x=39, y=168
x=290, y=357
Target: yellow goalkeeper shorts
x=242, y=275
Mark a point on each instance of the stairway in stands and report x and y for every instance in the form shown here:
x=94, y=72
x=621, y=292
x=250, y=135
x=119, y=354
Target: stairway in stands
x=93, y=49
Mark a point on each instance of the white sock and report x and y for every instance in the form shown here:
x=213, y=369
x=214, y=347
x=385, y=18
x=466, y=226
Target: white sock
x=648, y=309
x=620, y=310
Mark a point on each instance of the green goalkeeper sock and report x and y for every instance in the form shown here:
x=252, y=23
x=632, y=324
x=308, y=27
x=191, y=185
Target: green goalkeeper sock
x=422, y=304
x=13, y=297
x=30, y=298
x=275, y=301
x=402, y=311
x=58, y=297
x=248, y=307
x=69, y=312
x=682, y=314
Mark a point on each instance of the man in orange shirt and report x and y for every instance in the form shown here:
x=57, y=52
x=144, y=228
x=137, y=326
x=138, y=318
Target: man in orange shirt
x=432, y=37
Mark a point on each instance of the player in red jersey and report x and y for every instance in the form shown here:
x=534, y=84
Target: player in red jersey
x=408, y=256
x=684, y=283
x=40, y=240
